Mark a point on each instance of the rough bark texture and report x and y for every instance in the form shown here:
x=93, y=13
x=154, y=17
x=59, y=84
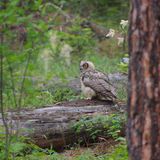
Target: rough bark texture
x=51, y=126
x=143, y=130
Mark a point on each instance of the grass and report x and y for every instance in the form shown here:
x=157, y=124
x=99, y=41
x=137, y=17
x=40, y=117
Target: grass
x=60, y=70
x=104, y=63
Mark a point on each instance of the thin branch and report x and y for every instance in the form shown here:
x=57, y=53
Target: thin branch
x=22, y=88
x=1, y=103
x=59, y=10
x=12, y=82
x=23, y=80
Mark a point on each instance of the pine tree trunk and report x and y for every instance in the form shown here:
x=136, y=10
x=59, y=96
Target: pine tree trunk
x=143, y=128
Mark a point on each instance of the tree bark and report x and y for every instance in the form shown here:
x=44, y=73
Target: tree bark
x=143, y=128
x=51, y=126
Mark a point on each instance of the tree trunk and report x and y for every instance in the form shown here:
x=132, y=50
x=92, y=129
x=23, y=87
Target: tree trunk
x=143, y=128
x=51, y=126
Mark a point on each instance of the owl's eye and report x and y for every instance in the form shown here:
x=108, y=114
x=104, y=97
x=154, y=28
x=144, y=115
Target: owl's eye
x=85, y=65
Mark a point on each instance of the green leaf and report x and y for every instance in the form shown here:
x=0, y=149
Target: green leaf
x=17, y=147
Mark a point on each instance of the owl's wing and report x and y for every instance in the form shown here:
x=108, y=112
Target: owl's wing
x=99, y=82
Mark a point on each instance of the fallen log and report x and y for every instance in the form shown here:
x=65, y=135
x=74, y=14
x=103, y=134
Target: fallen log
x=51, y=126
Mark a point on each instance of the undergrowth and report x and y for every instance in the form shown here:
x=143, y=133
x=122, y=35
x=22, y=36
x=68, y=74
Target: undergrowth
x=23, y=149
x=106, y=126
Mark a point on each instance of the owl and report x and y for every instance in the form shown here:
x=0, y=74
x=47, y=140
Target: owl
x=95, y=84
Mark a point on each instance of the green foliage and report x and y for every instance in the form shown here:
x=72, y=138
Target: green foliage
x=29, y=72
x=104, y=63
x=40, y=88
x=123, y=67
x=86, y=156
x=27, y=68
x=64, y=94
x=17, y=147
x=38, y=98
x=21, y=148
x=21, y=38
x=100, y=126
x=81, y=39
x=110, y=11
x=122, y=92
x=119, y=153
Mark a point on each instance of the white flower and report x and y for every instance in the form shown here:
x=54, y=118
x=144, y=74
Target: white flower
x=124, y=23
x=120, y=40
x=111, y=33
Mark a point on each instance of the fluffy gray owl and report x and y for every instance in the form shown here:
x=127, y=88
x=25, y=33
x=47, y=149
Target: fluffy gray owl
x=95, y=84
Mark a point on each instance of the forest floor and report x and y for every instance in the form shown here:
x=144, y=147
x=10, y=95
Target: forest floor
x=84, y=102
x=102, y=147
x=97, y=149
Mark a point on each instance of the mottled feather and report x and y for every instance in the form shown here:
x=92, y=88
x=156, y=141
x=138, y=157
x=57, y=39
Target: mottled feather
x=97, y=81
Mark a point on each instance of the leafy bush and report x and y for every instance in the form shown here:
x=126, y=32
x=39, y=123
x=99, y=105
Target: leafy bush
x=18, y=147
x=64, y=94
x=100, y=126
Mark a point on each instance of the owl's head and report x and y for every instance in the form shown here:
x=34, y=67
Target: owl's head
x=86, y=65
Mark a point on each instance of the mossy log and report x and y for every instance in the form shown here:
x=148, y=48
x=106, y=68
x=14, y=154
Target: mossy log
x=51, y=126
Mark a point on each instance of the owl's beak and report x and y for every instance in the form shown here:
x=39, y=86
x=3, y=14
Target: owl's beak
x=81, y=69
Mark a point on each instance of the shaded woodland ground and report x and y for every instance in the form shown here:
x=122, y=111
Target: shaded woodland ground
x=42, y=43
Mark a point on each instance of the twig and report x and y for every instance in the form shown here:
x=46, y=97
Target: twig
x=7, y=136
x=12, y=82
x=59, y=10
x=22, y=88
x=23, y=80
